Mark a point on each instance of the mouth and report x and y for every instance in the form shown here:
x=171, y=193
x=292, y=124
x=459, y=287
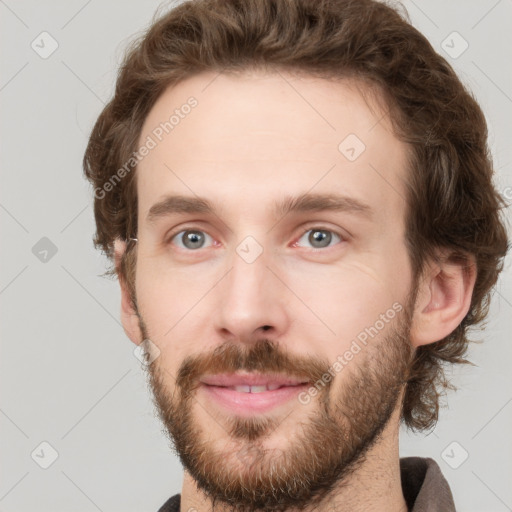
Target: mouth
x=247, y=394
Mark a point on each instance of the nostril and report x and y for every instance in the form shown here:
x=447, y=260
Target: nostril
x=266, y=327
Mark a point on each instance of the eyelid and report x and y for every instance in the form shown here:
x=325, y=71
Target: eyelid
x=319, y=227
x=170, y=236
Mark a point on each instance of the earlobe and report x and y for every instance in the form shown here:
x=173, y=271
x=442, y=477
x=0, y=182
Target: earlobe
x=443, y=300
x=129, y=316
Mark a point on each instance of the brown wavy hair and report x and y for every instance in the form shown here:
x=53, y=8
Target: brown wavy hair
x=451, y=199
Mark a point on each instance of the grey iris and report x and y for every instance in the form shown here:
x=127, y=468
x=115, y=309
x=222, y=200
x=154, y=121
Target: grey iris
x=321, y=237
x=193, y=239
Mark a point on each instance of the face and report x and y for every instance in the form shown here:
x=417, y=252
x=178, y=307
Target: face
x=273, y=276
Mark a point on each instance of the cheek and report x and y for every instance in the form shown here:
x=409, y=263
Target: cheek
x=166, y=292
x=171, y=308
x=349, y=297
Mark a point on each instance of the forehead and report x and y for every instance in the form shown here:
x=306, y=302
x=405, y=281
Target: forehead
x=254, y=137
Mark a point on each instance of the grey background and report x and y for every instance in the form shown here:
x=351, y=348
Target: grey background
x=68, y=374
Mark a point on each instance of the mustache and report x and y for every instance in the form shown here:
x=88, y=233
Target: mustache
x=264, y=356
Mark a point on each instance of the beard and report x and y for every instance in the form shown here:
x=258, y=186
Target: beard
x=324, y=449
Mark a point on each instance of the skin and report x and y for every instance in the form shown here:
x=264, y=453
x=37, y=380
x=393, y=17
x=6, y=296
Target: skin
x=252, y=139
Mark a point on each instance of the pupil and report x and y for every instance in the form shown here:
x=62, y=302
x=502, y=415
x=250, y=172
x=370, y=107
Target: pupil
x=321, y=237
x=194, y=239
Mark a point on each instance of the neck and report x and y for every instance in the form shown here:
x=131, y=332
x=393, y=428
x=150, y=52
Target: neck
x=374, y=486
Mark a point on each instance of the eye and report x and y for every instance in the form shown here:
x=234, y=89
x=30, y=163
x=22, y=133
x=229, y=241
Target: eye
x=190, y=239
x=319, y=238
x=194, y=239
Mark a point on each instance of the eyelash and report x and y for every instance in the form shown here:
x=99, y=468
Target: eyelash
x=342, y=238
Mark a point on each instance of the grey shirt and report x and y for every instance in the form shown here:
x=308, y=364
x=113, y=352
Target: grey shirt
x=424, y=487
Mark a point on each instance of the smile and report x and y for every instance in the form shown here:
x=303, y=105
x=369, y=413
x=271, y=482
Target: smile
x=250, y=394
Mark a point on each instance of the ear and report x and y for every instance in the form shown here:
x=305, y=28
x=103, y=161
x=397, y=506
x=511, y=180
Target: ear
x=443, y=299
x=129, y=317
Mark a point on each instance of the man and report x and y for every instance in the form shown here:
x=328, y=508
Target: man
x=298, y=199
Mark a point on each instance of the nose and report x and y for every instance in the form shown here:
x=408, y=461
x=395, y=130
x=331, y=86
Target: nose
x=252, y=302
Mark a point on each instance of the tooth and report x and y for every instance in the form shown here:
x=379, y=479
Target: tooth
x=271, y=387
x=242, y=389
x=258, y=389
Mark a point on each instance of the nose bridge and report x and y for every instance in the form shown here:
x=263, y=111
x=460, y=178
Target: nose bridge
x=250, y=297
x=247, y=276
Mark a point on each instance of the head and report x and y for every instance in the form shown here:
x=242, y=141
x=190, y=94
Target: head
x=260, y=116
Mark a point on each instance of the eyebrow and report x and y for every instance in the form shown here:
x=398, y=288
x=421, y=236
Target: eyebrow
x=308, y=202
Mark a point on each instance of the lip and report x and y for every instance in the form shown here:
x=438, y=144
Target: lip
x=250, y=379
x=216, y=389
